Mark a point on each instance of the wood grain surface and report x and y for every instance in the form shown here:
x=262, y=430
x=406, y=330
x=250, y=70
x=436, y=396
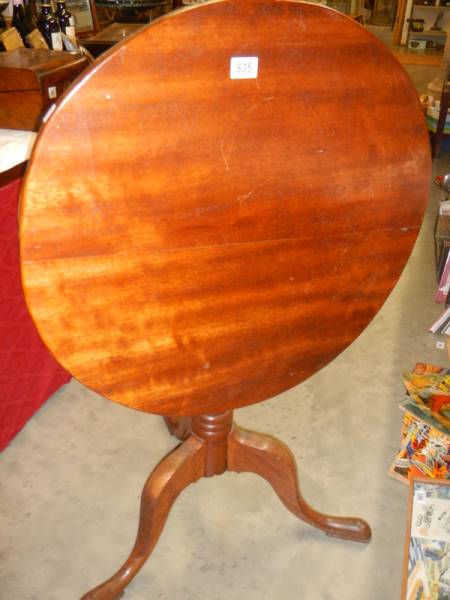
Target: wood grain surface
x=26, y=75
x=193, y=243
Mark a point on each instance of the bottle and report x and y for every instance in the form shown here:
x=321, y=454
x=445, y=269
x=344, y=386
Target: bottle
x=30, y=14
x=19, y=20
x=48, y=26
x=65, y=18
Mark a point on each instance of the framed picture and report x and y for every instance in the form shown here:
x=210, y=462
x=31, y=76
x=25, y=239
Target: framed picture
x=426, y=569
x=384, y=12
x=85, y=15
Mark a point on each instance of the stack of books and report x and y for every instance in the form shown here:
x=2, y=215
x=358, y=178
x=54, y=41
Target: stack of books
x=442, y=324
x=425, y=439
x=442, y=296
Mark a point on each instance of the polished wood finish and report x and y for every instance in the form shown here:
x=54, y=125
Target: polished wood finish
x=193, y=243
x=108, y=37
x=399, y=22
x=204, y=243
x=271, y=459
x=25, y=78
x=213, y=430
x=179, y=427
x=216, y=445
x=181, y=467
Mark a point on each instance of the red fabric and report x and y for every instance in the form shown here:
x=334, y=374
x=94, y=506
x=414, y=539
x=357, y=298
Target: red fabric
x=28, y=372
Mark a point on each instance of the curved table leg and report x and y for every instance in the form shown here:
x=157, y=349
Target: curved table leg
x=270, y=458
x=180, y=427
x=184, y=465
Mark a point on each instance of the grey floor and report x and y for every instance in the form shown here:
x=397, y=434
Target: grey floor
x=71, y=480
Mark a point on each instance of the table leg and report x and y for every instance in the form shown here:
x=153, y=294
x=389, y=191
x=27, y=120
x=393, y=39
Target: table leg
x=184, y=465
x=271, y=459
x=215, y=446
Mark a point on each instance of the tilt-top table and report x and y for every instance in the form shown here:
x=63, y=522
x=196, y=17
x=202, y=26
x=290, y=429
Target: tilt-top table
x=211, y=215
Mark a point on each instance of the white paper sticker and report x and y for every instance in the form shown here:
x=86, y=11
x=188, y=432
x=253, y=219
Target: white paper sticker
x=57, y=41
x=420, y=496
x=244, y=67
x=52, y=93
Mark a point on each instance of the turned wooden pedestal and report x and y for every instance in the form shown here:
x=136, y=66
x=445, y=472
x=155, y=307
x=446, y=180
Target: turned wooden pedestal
x=215, y=445
x=210, y=216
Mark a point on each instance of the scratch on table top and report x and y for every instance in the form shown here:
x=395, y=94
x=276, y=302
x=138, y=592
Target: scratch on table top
x=222, y=141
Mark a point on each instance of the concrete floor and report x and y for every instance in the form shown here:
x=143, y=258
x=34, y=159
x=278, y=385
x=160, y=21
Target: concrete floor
x=71, y=480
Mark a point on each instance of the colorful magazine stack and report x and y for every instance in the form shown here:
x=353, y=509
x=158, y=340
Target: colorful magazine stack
x=426, y=567
x=425, y=440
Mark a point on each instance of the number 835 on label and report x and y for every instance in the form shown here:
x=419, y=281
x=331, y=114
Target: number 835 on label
x=244, y=67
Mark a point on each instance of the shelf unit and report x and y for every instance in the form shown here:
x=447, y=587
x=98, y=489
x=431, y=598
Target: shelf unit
x=432, y=4
x=428, y=10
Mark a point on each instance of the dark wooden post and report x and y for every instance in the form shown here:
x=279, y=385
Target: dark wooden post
x=213, y=431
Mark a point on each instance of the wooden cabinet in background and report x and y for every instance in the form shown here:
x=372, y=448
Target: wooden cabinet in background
x=111, y=35
x=32, y=80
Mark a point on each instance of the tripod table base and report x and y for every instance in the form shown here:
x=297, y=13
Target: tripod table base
x=216, y=445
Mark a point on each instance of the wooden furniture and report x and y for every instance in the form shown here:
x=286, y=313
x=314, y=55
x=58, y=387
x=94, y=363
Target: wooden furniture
x=399, y=22
x=116, y=32
x=429, y=11
x=32, y=80
x=206, y=241
x=85, y=15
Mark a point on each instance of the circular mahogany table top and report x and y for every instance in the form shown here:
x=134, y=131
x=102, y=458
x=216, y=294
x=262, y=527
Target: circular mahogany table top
x=192, y=242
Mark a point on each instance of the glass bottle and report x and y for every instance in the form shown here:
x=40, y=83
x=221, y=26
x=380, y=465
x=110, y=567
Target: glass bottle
x=49, y=27
x=30, y=14
x=19, y=20
x=65, y=18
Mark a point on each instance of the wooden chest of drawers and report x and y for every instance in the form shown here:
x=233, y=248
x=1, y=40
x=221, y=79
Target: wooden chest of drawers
x=32, y=80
